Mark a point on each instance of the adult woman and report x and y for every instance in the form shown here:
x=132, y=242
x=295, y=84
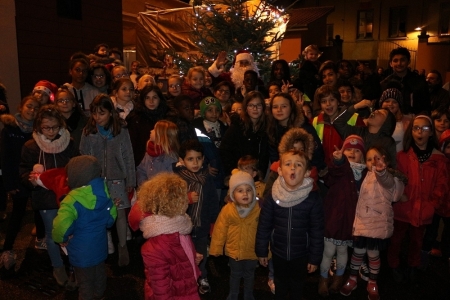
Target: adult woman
x=224, y=91
x=248, y=136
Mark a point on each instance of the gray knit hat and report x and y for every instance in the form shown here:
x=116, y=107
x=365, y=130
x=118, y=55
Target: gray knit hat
x=239, y=178
x=81, y=170
x=392, y=93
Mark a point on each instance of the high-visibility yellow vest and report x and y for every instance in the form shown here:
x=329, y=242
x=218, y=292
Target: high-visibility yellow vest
x=319, y=124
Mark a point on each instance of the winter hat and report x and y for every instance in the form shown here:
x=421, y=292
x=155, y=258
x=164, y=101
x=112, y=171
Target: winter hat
x=207, y=102
x=444, y=140
x=55, y=180
x=297, y=134
x=47, y=87
x=81, y=170
x=354, y=141
x=239, y=178
x=243, y=55
x=392, y=93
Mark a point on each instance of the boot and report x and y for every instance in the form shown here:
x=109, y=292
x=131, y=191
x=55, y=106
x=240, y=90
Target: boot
x=60, y=275
x=372, y=289
x=323, y=287
x=336, y=284
x=124, y=259
x=349, y=287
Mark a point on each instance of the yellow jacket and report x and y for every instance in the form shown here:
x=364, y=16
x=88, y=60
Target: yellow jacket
x=235, y=233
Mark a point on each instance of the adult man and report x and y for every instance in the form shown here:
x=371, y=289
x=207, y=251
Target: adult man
x=414, y=89
x=438, y=96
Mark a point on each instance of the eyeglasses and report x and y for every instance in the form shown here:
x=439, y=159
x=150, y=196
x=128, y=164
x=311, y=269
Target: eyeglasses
x=31, y=107
x=120, y=76
x=100, y=76
x=174, y=86
x=423, y=128
x=253, y=106
x=63, y=101
x=48, y=129
x=226, y=92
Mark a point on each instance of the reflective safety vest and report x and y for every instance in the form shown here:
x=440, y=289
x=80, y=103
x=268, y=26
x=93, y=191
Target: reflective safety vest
x=319, y=124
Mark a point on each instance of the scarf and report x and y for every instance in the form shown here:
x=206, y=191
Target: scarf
x=286, y=197
x=105, y=133
x=124, y=110
x=155, y=225
x=213, y=131
x=24, y=125
x=357, y=170
x=154, y=150
x=195, y=183
x=58, y=145
x=244, y=211
x=422, y=155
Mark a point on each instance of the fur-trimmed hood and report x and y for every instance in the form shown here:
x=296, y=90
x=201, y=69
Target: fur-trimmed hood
x=293, y=135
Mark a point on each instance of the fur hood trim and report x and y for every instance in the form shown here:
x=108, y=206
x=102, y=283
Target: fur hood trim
x=8, y=119
x=295, y=134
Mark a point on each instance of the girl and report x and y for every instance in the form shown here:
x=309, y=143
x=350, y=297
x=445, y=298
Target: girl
x=345, y=175
x=150, y=108
x=308, y=79
x=17, y=130
x=100, y=78
x=134, y=72
x=307, y=110
x=235, y=229
x=50, y=147
x=373, y=224
x=168, y=253
x=162, y=151
x=45, y=92
x=174, y=86
x=224, y=91
x=123, y=90
x=106, y=139
x=145, y=80
x=194, y=86
x=328, y=73
x=392, y=99
x=72, y=113
x=280, y=72
x=441, y=122
x=248, y=136
x=273, y=88
x=426, y=170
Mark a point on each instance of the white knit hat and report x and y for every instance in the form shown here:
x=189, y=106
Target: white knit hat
x=239, y=178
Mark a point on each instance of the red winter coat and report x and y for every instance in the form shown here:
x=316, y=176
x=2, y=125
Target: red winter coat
x=426, y=188
x=444, y=208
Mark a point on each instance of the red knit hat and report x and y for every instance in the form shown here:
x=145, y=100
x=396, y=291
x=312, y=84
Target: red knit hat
x=354, y=141
x=47, y=87
x=243, y=55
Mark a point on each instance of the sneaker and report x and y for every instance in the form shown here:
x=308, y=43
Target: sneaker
x=40, y=244
x=372, y=290
x=110, y=243
x=271, y=285
x=349, y=287
x=203, y=287
x=8, y=259
x=364, y=271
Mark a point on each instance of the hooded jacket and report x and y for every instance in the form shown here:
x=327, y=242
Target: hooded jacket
x=85, y=213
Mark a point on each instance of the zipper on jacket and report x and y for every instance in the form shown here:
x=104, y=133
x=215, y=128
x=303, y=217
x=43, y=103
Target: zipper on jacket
x=288, y=254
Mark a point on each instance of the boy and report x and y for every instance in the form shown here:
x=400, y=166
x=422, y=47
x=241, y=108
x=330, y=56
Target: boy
x=81, y=224
x=249, y=164
x=292, y=217
x=203, y=201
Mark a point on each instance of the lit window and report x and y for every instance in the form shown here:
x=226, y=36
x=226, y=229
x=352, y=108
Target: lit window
x=365, y=24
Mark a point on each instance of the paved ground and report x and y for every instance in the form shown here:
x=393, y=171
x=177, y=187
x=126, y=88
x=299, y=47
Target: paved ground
x=33, y=279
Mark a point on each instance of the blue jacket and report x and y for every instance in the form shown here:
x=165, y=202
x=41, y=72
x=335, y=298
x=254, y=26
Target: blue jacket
x=293, y=232
x=85, y=213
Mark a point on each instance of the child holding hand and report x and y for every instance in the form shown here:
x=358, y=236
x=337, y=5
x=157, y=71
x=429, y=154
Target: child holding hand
x=235, y=229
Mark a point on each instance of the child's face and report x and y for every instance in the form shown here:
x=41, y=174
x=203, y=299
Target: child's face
x=293, y=169
x=329, y=105
x=196, y=80
x=145, y=80
x=243, y=195
x=193, y=161
x=255, y=109
x=125, y=93
x=134, y=67
x=174, y=87
x=250, y=82
x=64, y=102
x=281, y=110
x=236, y=108
x=312, y=55
x=307, y=111
x=353, y=155
x=152, y=100
x=186, y=110
x=273, y=90
x=29, y=110
x=399, y=63
x=278, y=71
x=421, y=132
x=441, y=124
x=223, y=94
x=79, y=72
x=99, y=78
x=118, y=73
x=250, y=170
x=392, y=105
x=208, y=79
x=101, y=116
x=371, y=158
x=329, y=77
x=212, y=113
x=50, y=128
x=41, y=96
x=377, y=118
x=299, y=146
x=346, y=94
x=102, y=51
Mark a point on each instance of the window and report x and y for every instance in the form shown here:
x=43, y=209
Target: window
x=397, y=22
x=444, y=19
x=365, y=24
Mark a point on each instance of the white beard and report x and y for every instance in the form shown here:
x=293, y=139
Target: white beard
x=237, y=74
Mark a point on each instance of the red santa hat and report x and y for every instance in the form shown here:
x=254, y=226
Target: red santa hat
x=56, y=181
x=47, y=87
x=243, y=55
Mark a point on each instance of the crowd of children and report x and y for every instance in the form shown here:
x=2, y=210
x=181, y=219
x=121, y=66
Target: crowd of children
x=217, y=166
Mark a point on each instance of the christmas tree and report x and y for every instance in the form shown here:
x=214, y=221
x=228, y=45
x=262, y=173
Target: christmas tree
x=231, y=26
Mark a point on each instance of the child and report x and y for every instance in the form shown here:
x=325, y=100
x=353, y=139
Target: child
x=194, y=86
x=373, y=224
x=184, y=116
x=345, y=175
x=308, y=79
x=426, y=170
x=249, y=164
x=123, y=91
x=45, y=92
x=273, y=88
x=174, y=86
x=104, y=138
x=83, y=217
x=441, y=122
x=291, y=205
x=162, y=149
x=134, y=72
x=235, y=229
x=203, y=201
x=168, y=254
x=347, y=91
x=328, y=73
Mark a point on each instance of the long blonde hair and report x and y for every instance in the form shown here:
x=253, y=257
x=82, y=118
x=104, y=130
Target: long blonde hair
x=166, y=136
